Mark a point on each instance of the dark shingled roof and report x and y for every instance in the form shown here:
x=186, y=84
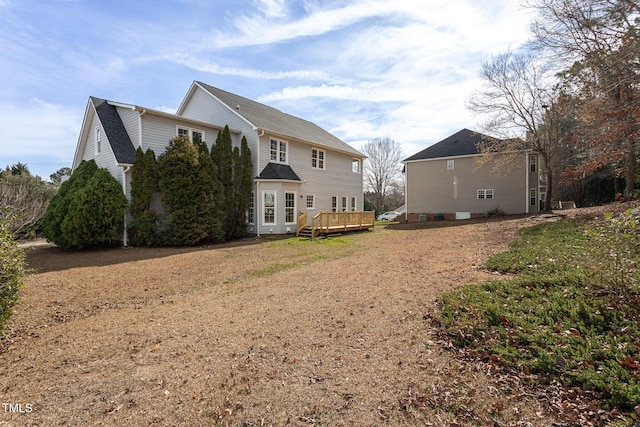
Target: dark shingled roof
x=115, y=131
x=274, y=120
x=278, y=171
x=462, y=143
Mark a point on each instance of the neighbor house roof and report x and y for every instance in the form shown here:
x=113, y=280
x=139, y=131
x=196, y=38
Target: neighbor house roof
x=462, y=143
x=276, y=171
x=275, y=121
x=115, y=131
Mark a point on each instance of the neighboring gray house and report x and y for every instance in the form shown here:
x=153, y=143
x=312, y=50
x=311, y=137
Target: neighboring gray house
x=298, y=166
x=447, y=181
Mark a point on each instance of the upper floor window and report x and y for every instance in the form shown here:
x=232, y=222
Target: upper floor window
x=317, y=158
x=355, y=165
x=278, y=151
x=533, y=160
x=98, y=140
x=195, y=135
x=450, y=165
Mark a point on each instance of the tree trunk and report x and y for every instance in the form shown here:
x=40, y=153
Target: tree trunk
x=547, y=204
x=631, y=170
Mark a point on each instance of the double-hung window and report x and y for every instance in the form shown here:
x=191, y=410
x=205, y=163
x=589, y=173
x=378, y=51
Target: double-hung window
x=195, y=135
x=317, y=158
x=311, y=201
x=289, y=208
x=485, y=193
x=533, y=160
x=355, y=165
x=278, y=151
x=269, y=207
x=251, y=213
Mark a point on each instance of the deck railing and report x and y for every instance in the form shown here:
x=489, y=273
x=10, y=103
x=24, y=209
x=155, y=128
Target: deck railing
x=335, y=222
x=303, y=221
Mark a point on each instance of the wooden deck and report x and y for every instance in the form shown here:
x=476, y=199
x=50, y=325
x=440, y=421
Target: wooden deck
x=334, y=222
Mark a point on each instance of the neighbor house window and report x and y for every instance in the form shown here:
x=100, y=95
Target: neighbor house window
x=355, y=165
x=334, y=204
x=532, y=196
x=98, y=140
x=533, y=160
x=251, y=213
x=450, y=165
x=289, y=208
x=311, y=201
x=269, y=207
x=317, y=158
x=485, y=193
x=278, y=151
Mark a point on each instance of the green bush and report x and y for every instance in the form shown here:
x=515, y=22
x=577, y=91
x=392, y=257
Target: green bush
x=555, y=319
x=88, y=209
x=96, y=212
x=190, y=195
x=11, y=271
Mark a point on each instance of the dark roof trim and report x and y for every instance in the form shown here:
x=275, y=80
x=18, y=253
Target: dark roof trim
x=276, y=171
x=115, y=132
x=462, y=143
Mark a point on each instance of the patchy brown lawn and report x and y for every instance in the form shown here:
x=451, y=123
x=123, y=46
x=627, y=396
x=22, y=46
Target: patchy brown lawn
x=332, y=332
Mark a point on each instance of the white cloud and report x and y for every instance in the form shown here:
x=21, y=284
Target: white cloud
x=42, y=129
x=199, y=64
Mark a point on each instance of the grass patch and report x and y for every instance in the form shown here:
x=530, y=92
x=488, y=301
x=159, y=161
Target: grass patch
x=560, y=317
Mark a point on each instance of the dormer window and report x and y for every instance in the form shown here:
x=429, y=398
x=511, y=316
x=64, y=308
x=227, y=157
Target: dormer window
x=278, y=151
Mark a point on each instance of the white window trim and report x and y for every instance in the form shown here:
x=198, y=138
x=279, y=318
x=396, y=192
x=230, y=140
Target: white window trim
x=324, y=159
x=278, y=152
x=485, y=193
x=334, y=208
x=359, y=163
x=354, y=204
x=295, y=219
x=190, y=132
x=533, y=197
x=344, y=204
x=98, y=140
x=451, y=164
x=306, y=201
x=275, y=208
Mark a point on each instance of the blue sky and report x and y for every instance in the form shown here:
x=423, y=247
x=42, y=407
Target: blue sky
x=361, y=69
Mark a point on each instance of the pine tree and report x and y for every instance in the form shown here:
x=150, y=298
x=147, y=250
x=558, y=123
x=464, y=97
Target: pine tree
x=143, y=228
x=242, y=168
x=189, y=194
x=222, y=155
x=59, y=206
x=96, y=212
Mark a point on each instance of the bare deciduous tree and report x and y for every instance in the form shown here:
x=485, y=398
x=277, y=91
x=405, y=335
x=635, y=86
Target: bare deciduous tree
x=516, y=96
x=24, y=198
x=382, y=166
x=598, y=44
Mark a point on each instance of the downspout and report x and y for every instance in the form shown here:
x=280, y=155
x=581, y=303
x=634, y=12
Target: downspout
x=142, y=113
x=406, y=190
x=258, y=197
x=125, y=237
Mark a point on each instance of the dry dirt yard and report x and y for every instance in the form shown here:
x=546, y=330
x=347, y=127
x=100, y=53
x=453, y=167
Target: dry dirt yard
x=331, y=332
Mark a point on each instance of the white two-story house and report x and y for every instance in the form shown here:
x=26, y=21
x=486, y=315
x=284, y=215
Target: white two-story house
x=298, y=166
